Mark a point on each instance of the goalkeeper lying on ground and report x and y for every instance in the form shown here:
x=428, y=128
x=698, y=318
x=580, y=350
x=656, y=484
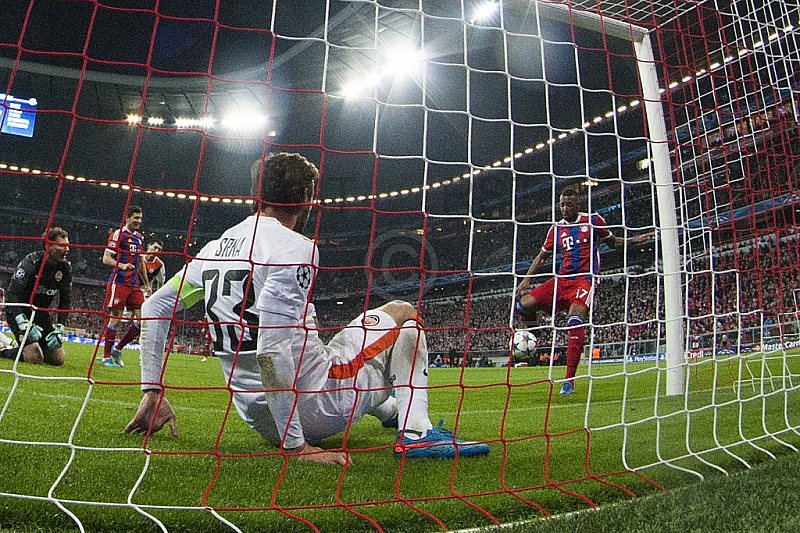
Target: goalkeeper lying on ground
x=35, y=285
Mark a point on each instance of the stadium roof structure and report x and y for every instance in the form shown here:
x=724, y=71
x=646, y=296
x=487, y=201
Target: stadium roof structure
x=113, y=96
x=108, y=95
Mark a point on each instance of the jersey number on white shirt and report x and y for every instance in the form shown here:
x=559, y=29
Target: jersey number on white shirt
x=227, y=307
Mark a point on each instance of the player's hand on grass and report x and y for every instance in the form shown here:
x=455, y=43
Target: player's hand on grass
x=146, y=417
x=306, y=452
x=34, y=330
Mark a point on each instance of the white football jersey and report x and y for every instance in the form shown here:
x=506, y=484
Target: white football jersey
x=256, y=265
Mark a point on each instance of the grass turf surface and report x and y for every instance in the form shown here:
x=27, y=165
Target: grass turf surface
x=62, y=438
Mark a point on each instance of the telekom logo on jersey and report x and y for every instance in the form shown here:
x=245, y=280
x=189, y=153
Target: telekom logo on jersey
x=229, y=247
x=567, y=241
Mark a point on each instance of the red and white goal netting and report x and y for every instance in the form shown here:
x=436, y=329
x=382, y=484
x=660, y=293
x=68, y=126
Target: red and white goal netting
x=444, y=133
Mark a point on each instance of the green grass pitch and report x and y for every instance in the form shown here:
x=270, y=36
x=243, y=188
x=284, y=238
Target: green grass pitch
x=61, y=440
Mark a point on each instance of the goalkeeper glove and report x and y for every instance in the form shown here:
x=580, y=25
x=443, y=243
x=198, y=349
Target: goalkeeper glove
x=34, y=330
x=56, y=337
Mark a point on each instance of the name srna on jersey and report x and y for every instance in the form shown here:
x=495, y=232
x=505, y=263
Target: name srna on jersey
x=228, y=247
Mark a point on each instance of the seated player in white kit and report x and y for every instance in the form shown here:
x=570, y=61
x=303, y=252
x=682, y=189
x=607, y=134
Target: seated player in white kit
x=288, y=386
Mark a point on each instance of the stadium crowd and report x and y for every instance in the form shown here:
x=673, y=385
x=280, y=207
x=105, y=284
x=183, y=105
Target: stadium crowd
x=751, y=268
x=724, y=293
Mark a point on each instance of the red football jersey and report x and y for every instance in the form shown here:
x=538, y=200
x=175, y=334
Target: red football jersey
x=578, y=243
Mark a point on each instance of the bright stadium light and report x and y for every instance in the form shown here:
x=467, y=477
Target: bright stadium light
x=402, y=61
x=155, y=121
x=205, y=122
x=361, y=86
x=244, y=121
x=134, y=119
x=484, y=12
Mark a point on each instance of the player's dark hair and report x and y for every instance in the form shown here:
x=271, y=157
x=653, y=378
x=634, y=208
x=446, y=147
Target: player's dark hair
x=570, y=192
x=53, y=234
x=283, y=181
x=132, y=210
x=155, y=241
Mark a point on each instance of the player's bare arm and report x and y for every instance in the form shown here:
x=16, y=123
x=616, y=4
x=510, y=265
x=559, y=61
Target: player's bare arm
x=537, y=263
x=144, y=277
x=110, y=259
x=617, y=243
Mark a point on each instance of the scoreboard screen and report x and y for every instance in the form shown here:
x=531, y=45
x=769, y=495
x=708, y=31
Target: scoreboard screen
x=17, y=115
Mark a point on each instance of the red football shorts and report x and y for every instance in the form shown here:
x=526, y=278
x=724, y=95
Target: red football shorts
x=565, y=291
x=123, y=297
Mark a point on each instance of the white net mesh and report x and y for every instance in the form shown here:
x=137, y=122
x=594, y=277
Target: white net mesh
x=444, y=136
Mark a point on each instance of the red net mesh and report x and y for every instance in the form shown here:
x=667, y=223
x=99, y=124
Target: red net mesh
x=439, y=181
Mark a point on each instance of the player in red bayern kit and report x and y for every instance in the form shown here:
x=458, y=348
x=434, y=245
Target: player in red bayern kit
x=576, y=240
x=124, y=291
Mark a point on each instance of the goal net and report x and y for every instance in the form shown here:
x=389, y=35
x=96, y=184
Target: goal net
x=445, y=134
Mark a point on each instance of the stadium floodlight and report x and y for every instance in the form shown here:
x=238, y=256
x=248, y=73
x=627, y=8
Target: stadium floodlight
x=133, y=118
x=484, y=12
x=205, y=122
x=155, y=121
x=360, y=86
x=402, y=60
x=244, y=121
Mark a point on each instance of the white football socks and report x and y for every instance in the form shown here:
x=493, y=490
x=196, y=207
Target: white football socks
x=410, y=365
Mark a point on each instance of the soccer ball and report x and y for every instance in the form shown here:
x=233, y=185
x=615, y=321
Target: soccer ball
x=523, y=343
